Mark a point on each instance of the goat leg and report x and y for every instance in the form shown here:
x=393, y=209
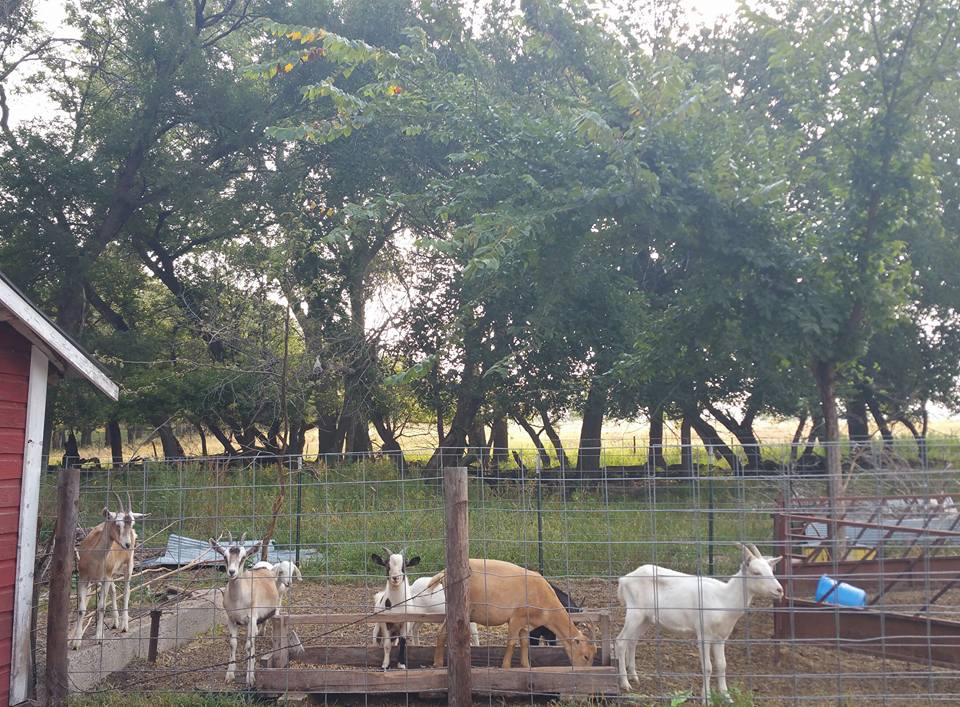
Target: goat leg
x=101, y=607
x=125, y=620
x=251, y=648
x=232, y=666
x=83, y=598
x=112, y=589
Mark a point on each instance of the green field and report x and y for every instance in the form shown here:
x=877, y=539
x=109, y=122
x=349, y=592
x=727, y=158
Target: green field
x=600, y=529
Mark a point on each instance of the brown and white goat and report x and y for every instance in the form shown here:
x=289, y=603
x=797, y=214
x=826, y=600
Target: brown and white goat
x=106, y=553
x=505, y=593
x=250, y=598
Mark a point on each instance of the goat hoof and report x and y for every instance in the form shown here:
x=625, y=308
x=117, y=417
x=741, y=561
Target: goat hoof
x=401, y=666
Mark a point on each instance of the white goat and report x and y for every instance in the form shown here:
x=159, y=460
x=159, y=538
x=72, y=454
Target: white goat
x=105, y=553
x=691, y=605
x=424, y=600
x=285, y=571
x=395, y=594
x=250, y=598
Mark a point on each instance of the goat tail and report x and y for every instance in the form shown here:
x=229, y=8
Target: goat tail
x=437, y=579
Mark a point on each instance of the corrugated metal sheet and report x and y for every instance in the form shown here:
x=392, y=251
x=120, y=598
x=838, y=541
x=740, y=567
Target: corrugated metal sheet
x=182, y=550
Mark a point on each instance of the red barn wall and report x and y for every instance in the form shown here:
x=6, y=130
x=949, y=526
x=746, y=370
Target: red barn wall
x=14, y=380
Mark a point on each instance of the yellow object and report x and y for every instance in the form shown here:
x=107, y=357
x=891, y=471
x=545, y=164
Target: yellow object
x=855, y=554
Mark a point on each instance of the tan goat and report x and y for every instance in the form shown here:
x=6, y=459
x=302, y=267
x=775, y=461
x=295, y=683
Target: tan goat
x=106, y=553
x=249, y=599
x=504, y=593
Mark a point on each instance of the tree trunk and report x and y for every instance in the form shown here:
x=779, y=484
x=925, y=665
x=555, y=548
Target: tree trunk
x=686, y=444
x=450, y=449
x=172, y=449
x=86, y=436
x=116, y=441
x=357, y=434
x=554, y=438
x=857, y=427
x=591, y=430
x=131, y=434
x=918, y=437
x=655, y=458
x=71, y=452
x=824, y=373
x=203, y=439
x=500, y=439
x=881, y=421
x=534, y=437
x=798, y=433
x=222, y=438
x=709, y=435
x=743, y=431
x=391, y=445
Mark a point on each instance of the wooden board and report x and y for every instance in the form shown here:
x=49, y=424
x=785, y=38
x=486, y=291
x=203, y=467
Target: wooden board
x=422, y=656
x=544, y=681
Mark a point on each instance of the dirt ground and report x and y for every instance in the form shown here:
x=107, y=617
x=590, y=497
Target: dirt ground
x=755, y=663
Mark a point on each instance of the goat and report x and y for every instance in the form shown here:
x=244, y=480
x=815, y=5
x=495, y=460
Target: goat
x=431, y=601
x=504, y=593
x=285, y=571
x=250, y=598
x=689, y=605
x=542, y=633
x=395, y=594
x=105, y=553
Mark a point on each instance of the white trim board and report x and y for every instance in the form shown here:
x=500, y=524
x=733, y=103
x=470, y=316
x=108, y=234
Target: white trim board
x=37, y=327
x=20, y=667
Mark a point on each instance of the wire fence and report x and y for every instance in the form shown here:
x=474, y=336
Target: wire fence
x=894, y=537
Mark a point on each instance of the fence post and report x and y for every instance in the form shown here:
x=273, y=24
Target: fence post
x=61, y=573
x=455, y=586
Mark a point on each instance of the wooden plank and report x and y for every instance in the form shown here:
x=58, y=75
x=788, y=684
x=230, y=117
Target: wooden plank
x=13, y=388
x=540, y=681
x=422, y=656
x=397, y=616
x=386, y=616
x=546, y=681
x=14, y=362
x=13, y=415
x=350, y=681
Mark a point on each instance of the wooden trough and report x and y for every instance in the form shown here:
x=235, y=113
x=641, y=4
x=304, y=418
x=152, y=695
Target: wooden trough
x=550, y=671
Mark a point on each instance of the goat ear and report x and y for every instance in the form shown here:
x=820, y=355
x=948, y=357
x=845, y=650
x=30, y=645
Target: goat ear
x=415, y=560
x=774, y=560
x=215, y=546
x=253, y=549
x=377, y=559
x=107, y=514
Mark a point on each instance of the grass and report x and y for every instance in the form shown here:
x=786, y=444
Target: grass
x=350, y=511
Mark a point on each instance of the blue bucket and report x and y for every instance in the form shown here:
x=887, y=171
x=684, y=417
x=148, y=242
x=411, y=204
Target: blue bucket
x=844, y=594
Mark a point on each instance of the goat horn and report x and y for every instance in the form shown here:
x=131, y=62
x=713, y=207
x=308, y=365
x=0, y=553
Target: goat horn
x=119, y=502
x=230, y=537
x=755, y=551
x=386, y=550
x=129, y=502
x=242, y=538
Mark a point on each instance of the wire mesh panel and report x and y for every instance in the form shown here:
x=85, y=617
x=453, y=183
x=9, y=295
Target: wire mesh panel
x=880, y=626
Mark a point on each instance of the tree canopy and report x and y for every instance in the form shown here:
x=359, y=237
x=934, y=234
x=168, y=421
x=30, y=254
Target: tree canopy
x=273, y=217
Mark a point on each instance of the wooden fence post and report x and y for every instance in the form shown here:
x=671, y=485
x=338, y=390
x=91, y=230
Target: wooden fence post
x=456, y=587
x=61, y=574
